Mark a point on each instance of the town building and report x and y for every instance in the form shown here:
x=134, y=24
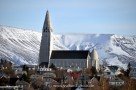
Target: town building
x=116, y=81
x=132, y=72
x=48, y=78
x=23, y=85
x=5, y=64
x=42, y=70
x=93, y=82
x=110, y=71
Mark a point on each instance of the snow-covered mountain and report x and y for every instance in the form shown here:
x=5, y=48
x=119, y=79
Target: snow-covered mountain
x=22, y=46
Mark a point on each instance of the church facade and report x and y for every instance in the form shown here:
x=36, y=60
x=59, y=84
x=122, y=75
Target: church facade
x=63, y=58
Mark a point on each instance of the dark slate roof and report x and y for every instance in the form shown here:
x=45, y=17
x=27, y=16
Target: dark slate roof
x=69, y=54
x=113, y=68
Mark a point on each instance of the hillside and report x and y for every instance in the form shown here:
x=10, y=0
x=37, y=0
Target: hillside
x=22, y=46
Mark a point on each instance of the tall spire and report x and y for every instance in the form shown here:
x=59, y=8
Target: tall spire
x=45, y=46
x=47, y=23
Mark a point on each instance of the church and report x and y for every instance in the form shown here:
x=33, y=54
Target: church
x=63, y=58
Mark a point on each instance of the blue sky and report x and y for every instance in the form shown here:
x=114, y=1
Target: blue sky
x=72, y=16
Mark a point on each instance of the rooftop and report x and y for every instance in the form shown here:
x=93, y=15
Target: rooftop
x=69, y=54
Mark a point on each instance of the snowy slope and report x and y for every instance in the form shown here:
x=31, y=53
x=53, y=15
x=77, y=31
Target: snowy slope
x=22, y=46
x=116, y=50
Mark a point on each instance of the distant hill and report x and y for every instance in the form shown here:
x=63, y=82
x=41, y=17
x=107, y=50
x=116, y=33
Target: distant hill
x=22, y=46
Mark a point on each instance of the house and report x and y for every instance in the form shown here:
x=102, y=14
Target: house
x=132, y=72
x=48, y=78
x=42, y=70
x=53, y=85
x=31, y=67
x=115, y=81
x=83, y=80
x=46, y=73
x=5, y=63
x=18, y=69
x=110, y=71
x=93, y=81
x=119, y=72
x=69, y=80
x=94, y=84
x=20, y=72
x=23, y=85
x=34, y=77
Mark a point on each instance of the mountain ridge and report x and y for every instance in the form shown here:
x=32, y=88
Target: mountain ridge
x=21, y=46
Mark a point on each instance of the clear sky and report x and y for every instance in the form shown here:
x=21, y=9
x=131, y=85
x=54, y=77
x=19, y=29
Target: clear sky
x=72, y=16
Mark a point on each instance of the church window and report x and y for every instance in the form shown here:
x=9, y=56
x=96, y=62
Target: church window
x=44, y=30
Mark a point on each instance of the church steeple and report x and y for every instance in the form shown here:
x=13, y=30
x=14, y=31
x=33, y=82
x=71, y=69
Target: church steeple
x=47, y=23
x=45, y=46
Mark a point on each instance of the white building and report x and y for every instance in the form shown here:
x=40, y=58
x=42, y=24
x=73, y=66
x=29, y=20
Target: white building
x=115, y=81
x=42, y=70
x=68, y=58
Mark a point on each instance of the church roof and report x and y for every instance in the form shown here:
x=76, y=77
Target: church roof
x=69, y=54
